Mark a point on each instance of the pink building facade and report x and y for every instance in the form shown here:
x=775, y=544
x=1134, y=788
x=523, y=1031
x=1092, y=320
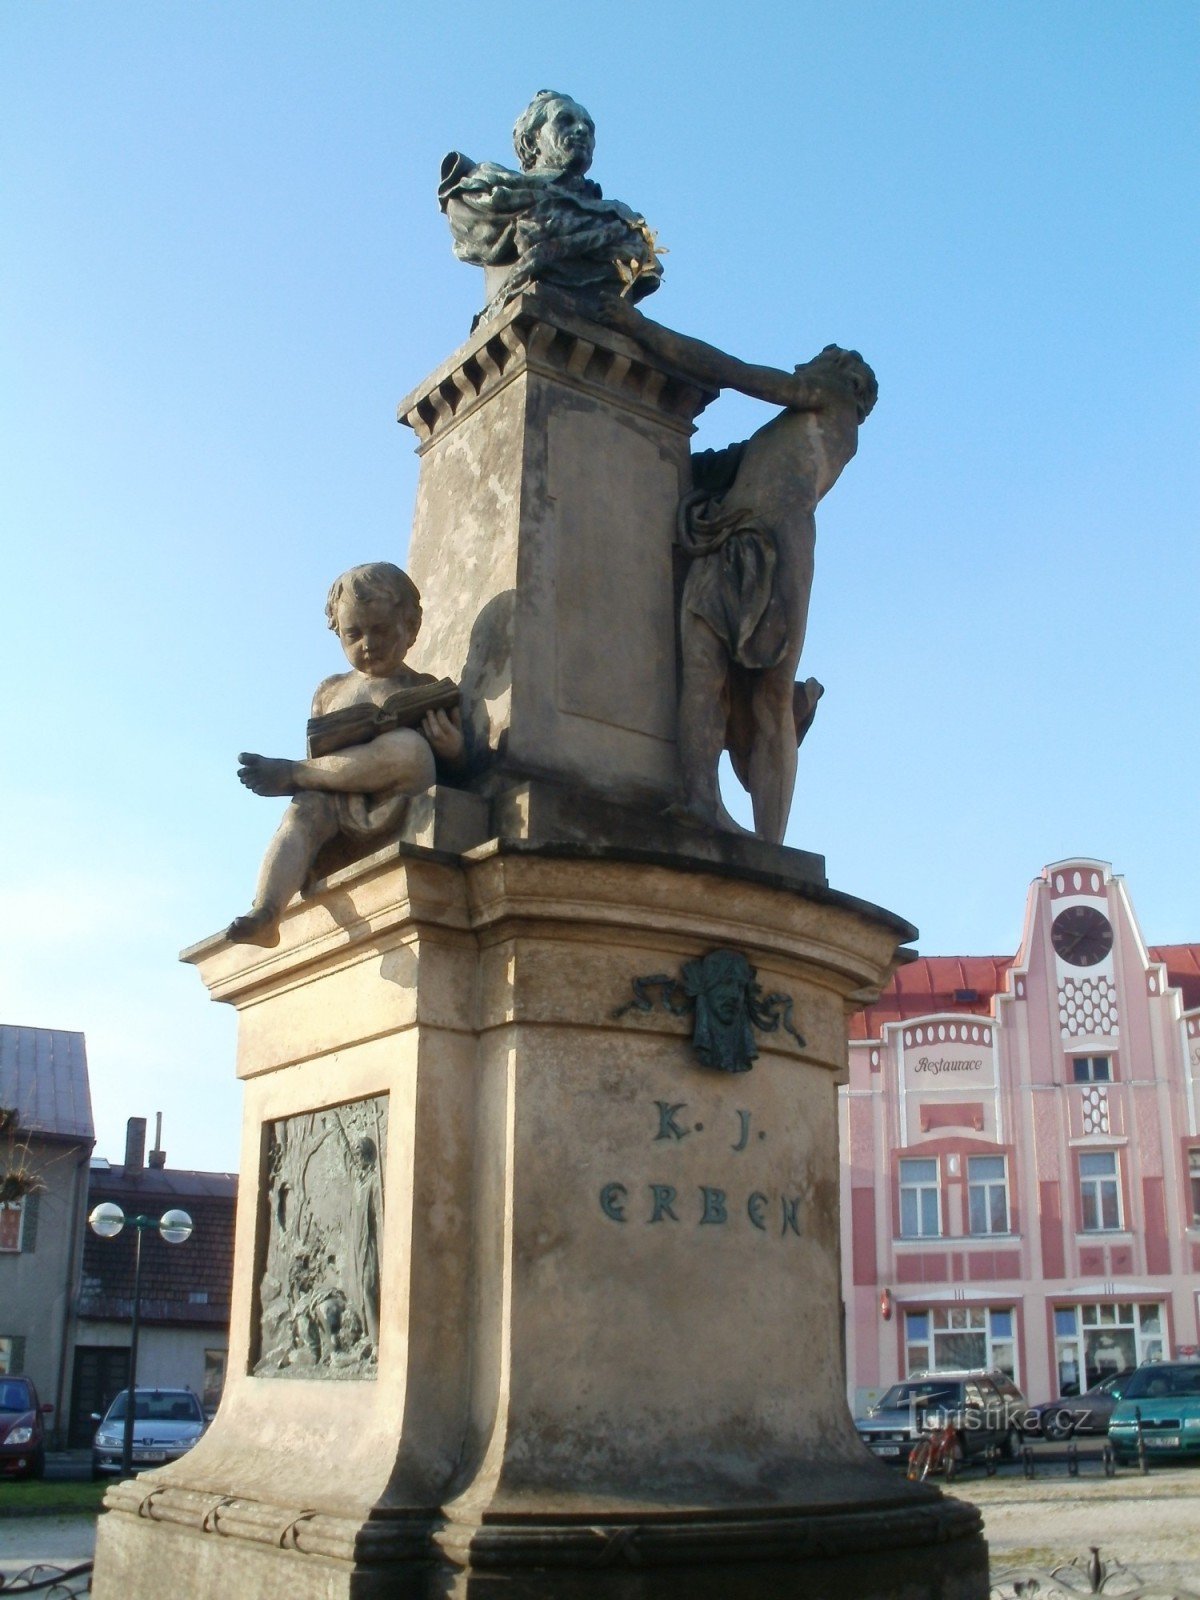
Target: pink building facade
x=1021, y=1153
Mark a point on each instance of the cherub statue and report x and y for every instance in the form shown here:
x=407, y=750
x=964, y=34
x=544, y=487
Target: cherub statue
x=548, y=223
x=361, y=791
x=748, y=532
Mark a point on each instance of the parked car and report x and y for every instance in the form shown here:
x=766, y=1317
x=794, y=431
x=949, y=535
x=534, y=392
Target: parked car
x=1161, y=1402
x=984, y=1408
x=22, y=1431
x=166, y=1424
x=1088, y=1412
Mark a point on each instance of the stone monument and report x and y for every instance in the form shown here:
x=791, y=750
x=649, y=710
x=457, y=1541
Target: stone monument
x=536, y=1286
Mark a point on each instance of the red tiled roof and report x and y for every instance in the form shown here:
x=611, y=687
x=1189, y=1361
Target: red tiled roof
x=1182, y=962
x=932, y=984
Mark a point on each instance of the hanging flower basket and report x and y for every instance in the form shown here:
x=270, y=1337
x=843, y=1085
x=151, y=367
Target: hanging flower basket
x=16, y=1185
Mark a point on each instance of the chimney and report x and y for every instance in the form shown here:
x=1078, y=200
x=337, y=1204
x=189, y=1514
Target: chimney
x=135, y=1142
x=158, y=1156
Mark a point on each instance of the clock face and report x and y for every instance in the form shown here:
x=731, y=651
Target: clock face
x=1081, y=935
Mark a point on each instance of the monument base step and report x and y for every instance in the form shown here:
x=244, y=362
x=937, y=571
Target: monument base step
x=930, y=1552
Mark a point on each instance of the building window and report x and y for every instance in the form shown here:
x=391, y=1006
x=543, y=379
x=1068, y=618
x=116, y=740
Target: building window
x=1092, y=1342
x=1091, y=1069
x=1194, y=1176
x=920, y=1212
x=1099, y=1191
x=960, y=1336
x=12, y=1214
x=12, y=1353
x=987, y=1194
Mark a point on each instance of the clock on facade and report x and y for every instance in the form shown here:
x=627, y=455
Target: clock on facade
x=1081, y=935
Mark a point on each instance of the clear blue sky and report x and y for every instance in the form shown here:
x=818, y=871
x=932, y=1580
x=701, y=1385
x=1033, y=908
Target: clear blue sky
x=224, y=264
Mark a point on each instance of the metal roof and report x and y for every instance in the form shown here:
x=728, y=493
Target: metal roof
x=44, y=1076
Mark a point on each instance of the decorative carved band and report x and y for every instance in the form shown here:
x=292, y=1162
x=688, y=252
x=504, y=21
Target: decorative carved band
x=527, y=343
x=309, y=1532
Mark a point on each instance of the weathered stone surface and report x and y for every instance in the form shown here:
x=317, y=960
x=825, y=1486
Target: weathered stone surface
x=554, y=453
x=903, y=1552
x=544, y=815
x=608, y=1331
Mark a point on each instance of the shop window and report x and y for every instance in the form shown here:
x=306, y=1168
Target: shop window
x=1194, y=1178
x=916, y=1341
x=920, y=1210
x=1091, y=1069
x=1002, y=1344
x=1066, y=1349
x=987, y=1194
x=1099, y=1191
x=947, y=1337
x=1095, y=1341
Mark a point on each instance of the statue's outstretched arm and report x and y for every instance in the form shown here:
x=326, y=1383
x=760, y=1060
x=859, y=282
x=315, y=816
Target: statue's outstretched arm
x=706, y=364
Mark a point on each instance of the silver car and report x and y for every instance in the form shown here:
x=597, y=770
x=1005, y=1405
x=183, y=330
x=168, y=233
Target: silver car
x=984, y=1409
x=166, y=1424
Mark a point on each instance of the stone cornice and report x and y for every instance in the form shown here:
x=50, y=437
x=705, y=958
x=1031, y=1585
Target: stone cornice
x=538, y=334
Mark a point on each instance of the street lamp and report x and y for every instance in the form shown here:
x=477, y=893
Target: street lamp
x=107, y=1220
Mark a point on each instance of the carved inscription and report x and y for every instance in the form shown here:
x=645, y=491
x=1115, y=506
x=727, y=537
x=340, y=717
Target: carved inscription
x=705, y=1205
x=319, y=1290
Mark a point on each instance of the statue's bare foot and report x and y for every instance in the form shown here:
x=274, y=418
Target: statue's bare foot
x=259, y=927
x=267, y=775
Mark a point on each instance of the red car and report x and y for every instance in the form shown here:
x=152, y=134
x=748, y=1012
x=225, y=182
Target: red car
x=22, y=1433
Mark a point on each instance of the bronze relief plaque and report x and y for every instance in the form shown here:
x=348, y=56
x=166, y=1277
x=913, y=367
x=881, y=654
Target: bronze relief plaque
x=320, y=1236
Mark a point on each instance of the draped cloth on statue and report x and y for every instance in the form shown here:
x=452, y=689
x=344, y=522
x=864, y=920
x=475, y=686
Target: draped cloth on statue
x=730, y=586
x=543, y=228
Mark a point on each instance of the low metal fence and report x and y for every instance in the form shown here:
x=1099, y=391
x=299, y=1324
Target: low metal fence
x=1085, y=1575
x=48, y=1583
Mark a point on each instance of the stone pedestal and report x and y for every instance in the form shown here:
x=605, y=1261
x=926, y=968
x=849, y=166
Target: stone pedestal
x=553, y=457
x=609, y=1329
x=529, y=1301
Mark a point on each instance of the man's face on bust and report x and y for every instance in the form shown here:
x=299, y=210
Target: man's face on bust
x=566, y=141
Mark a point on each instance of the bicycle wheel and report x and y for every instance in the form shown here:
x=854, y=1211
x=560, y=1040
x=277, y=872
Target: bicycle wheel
x=919, y=1459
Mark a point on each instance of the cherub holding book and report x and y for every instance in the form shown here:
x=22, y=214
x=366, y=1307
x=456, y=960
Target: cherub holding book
x=378, y=734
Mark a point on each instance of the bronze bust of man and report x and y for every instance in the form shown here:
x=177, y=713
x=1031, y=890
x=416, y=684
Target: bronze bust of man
x=548, y=223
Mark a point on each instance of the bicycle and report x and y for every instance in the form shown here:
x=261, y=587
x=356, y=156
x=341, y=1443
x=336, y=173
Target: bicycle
x=938, y=1451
